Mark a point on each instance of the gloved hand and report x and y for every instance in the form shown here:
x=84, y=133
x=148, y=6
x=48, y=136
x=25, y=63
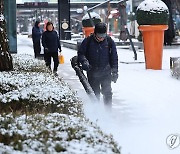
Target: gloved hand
x=114, y=76
x=86, y=66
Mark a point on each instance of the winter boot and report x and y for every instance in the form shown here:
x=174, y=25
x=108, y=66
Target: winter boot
x=107, y=100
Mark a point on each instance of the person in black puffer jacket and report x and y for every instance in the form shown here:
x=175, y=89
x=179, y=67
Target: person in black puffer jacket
x=36, y=37
x=98, y=56
x=51, y=44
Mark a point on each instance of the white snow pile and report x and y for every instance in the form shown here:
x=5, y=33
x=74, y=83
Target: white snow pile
x=153, y=6
x=93, y=15
x=41, y=114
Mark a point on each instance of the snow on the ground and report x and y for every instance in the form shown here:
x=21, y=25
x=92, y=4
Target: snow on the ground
x=145, y=107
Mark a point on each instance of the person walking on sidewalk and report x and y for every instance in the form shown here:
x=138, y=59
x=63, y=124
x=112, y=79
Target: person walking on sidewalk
x=98, y=56
x=36, y=37
x=51, y=44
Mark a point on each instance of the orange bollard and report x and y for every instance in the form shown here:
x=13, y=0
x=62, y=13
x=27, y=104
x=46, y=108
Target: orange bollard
x=88, y=30
x=153, y=39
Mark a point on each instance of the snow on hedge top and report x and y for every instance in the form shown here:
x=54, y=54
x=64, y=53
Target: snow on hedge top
x=93, y=15
x=152, y=6
x=30, y=81
x=1, y=17
x=27, y=63
x=32, y=86
x=53, y=133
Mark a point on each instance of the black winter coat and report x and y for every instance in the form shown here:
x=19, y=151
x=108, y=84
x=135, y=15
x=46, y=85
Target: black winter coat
x=99, y=55
x=51, y=41
x=36, y=34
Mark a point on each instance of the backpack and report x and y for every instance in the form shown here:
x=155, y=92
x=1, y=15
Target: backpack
x=109, y=40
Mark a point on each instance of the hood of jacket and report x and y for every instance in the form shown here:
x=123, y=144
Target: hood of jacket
x=36, y=24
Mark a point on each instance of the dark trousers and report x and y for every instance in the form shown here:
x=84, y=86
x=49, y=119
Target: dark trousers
x=47, y=58
x=37, y=48
x=101, y=82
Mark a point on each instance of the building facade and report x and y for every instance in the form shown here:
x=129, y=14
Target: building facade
x=25, y=21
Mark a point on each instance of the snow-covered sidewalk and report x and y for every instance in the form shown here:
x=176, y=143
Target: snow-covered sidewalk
x=145, y=107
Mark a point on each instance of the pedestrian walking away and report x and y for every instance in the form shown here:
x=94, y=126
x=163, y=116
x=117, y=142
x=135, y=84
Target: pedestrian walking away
x=51, y=44
x=36, y=37
x=98, y=56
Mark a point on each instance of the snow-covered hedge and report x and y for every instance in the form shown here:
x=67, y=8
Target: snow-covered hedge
x=86, y=22
x=31, y=85
x=41, y=114
x=53, y=133
x=26, y=63
x=152, y=12
x=36, y=90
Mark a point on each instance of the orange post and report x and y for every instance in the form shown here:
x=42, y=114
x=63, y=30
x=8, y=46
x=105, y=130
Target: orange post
x=153, y=39
x=88, y=30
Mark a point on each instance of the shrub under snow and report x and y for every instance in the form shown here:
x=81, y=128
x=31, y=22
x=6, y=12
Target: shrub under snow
x=41, y=114
x=152, y=12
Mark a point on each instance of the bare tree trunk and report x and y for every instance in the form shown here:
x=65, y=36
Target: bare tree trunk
x=122, y=10
x=5, y=56
x=107, y=16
